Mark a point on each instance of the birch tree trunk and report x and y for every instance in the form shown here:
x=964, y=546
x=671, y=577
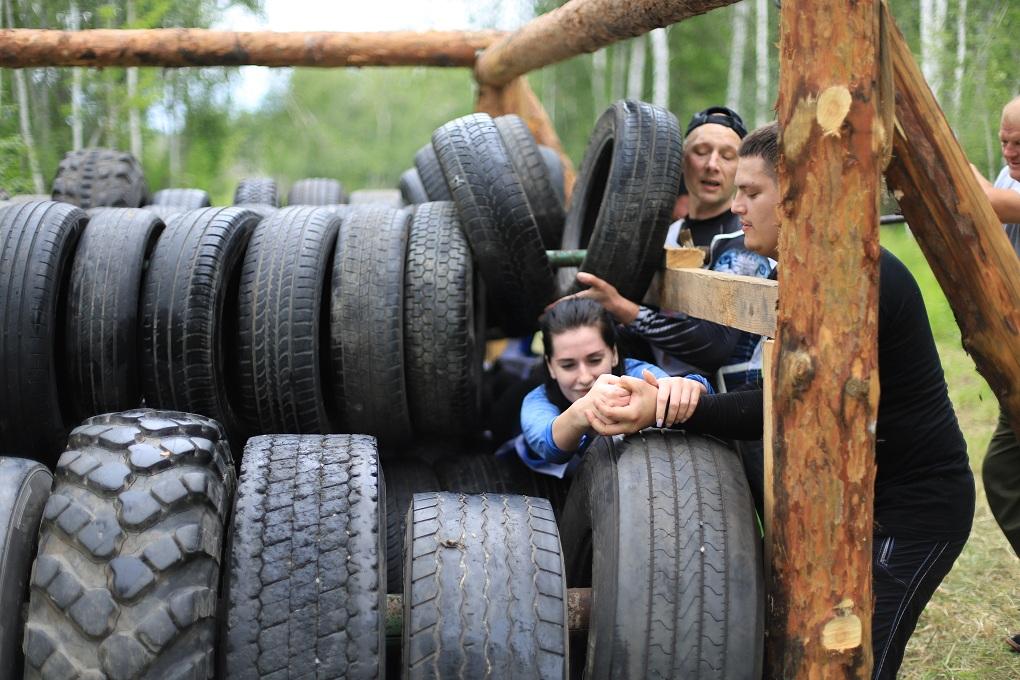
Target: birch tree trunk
x=738, y=48
x=636, y=73
x=933, y=26
x=21, y=91
x=961, y=56
x=762, y=114
x=134, y=118
x=174, y=134
x=619, y=83
x=598, y=81
x=76, y=86
x=660, y=68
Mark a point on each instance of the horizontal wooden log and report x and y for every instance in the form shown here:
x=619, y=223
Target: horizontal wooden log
x=579, y=27
x=744, y=302
x=183, y=47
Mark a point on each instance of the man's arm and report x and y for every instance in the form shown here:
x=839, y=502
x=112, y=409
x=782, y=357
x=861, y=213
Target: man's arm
x=1005, y=202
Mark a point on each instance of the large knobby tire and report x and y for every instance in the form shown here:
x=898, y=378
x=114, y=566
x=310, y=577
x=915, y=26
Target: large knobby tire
x=411, y=188
x=472, y=472
x=281, y=321
x=24, y=488
x=484, y=589
x=662, y=527
x=188, y=199
x=444, y=325
x=306, y=580
x=126, y=580
x=316, y=191
x=37, y=242
x=497, y=221
x=405, y=476
x=524, y=152
x=624, y=195
x=102, y=339
x=89, y=178
x=259, y=190
x=189, y=315
x=427, y=164
x=367, y=322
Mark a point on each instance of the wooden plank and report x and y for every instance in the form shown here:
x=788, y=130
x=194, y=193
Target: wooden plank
x=825, y=377
x=767, y=362
x=957, y=230
x=181, y=47
x=744, y=302
x=579, y=27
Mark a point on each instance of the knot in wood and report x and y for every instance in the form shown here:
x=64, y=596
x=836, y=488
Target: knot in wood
x=844, y=630
x=799, y=370
x=856, y=388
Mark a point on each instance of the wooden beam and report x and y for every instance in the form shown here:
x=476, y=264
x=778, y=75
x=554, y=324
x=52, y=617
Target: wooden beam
x=957, y=230
x=825, y=376
x=181, y=47
x=744, y=302
x=518, y=97
x=579, y=27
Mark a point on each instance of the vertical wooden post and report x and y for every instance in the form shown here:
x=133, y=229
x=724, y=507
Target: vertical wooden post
x=825, y=378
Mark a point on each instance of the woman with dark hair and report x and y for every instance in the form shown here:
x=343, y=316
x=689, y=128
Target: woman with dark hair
x=579, y=341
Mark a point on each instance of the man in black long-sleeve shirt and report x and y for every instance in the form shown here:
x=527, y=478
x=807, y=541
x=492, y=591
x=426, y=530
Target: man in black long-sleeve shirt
x=924, y=489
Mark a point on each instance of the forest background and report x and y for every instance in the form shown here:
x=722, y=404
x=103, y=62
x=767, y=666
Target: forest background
x=208, y=128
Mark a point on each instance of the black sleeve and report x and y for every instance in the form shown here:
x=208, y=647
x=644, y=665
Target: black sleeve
x=730, y=415
x=704, y=344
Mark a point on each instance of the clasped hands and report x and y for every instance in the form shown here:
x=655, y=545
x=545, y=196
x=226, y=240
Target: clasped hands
x=624, y=404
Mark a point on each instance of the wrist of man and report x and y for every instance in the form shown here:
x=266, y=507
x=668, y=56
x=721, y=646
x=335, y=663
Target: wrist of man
x=625, y=311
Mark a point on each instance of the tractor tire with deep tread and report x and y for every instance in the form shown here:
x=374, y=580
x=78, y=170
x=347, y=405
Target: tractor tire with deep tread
x=316, y=191
x=188, y=199
x=260, y=190
x=126, y=578
x=662, y=527
x=281, y=321
x=411, y=188
x=426, y=162
x=37, y=242
x=624, y=195
x=306, y=578
x=405, y=476
x=102, y=340
x=484, y=589
x=89, y=178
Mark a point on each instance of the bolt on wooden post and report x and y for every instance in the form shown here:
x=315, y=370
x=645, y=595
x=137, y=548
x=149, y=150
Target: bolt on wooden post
x=824, y=378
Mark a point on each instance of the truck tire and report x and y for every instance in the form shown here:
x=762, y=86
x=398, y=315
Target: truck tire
x=546, y=204
x=89, y=178
x=484, y=589
x=554, y=166
x=466, y=472
x=282, y=324
x=305, y=584
x=662, y=527
x=444, y=328
x=367, y=322
x=427, y=164
x=497, y=221
x=102, y=338
x=261, y=190
x=37, y=242
x=624, y=196
x=189, y=315
x=405, y=476
x=411, y=188
x=316, y=191
x=24, y=488
x=126, y=578
x=189, y=199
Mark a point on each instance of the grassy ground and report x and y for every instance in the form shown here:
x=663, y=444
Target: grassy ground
x=960, y=635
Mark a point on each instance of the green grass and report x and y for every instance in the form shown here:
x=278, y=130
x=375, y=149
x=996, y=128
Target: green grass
x=960, y=634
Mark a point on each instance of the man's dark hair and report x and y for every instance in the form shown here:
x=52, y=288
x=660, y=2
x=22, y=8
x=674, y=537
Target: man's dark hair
x=763, y=143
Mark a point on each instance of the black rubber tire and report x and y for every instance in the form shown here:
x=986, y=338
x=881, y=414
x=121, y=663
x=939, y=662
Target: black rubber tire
x=306, y=577
x=24, y=488
x=89, y=178
x=37, y=242
x=546, y=204
x=163, y=212
x=484, y=589
x=316, y=191
x=102, y=342
x=497, y=221
x=366, y=322
x=554, y=167
x=444, y=328
x=189, y=199
x=189, y=315
x=261, y=190
x=405, y=476
x=662, y=527
x=427, y=164
x=385, y=198
x=468, y=472
x=282, y=323
x=624, y=195
x=411, y=188
x=260, y=209
x=126, y=579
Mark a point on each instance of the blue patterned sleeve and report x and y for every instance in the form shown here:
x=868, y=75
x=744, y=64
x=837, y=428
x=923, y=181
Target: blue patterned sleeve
x=537, y=416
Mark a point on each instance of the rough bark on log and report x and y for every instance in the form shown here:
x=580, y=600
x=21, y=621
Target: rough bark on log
x=181, y=47
x=579, y=27
x=825, y=375
x=957, y=230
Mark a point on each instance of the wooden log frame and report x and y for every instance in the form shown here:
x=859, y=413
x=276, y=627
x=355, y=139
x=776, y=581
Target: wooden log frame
x=743, y=302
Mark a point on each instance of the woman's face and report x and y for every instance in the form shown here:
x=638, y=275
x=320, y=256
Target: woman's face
x=579, y=357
